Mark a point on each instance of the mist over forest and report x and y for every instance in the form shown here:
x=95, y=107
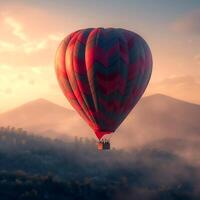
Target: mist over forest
x=34, y=167
x=155, y=117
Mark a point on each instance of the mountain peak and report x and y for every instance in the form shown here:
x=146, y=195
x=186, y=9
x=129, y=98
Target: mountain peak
x=38, y=106
x=162, y=98
x=159, y=96
x=154, y=117
x=39, y=101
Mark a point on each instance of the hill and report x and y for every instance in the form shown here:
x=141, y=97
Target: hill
x=158, y=117
x=154, y=117
x=41, y=116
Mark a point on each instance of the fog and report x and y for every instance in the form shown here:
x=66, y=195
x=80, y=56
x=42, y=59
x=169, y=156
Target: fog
x=153, y=171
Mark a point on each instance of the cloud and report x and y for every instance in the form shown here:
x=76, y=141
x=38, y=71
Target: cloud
x=32, y=46
x=56, y=37
x=7, y=46
x=29, y=38
x=27, y=44
x=189, y=23
x=17, y=28
x=24, y=49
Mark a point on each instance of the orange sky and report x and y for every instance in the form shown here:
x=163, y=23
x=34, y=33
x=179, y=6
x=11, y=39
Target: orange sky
x=31, y=32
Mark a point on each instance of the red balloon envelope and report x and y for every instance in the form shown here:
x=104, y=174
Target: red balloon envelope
x=103, y=73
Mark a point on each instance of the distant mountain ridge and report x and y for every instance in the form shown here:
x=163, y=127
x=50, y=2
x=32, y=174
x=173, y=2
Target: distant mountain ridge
x=38, y=116
x=154, y=117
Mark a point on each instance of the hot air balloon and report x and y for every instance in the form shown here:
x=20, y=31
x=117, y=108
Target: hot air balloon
x=103, y=73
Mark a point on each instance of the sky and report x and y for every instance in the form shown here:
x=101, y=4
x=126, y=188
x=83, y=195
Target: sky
x=32, y=30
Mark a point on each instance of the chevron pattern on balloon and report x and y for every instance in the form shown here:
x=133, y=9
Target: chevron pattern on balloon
x=103, y=73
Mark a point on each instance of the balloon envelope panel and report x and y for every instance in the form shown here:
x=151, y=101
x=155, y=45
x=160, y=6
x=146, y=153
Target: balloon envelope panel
x=103, y=73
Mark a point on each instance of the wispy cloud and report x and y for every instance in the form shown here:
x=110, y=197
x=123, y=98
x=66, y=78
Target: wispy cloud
x=7, y=46
x=32, y=46
x=56, y=37
x=25, y=43
x=17, y=28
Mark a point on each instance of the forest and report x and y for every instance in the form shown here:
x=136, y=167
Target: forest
x=35, y=167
